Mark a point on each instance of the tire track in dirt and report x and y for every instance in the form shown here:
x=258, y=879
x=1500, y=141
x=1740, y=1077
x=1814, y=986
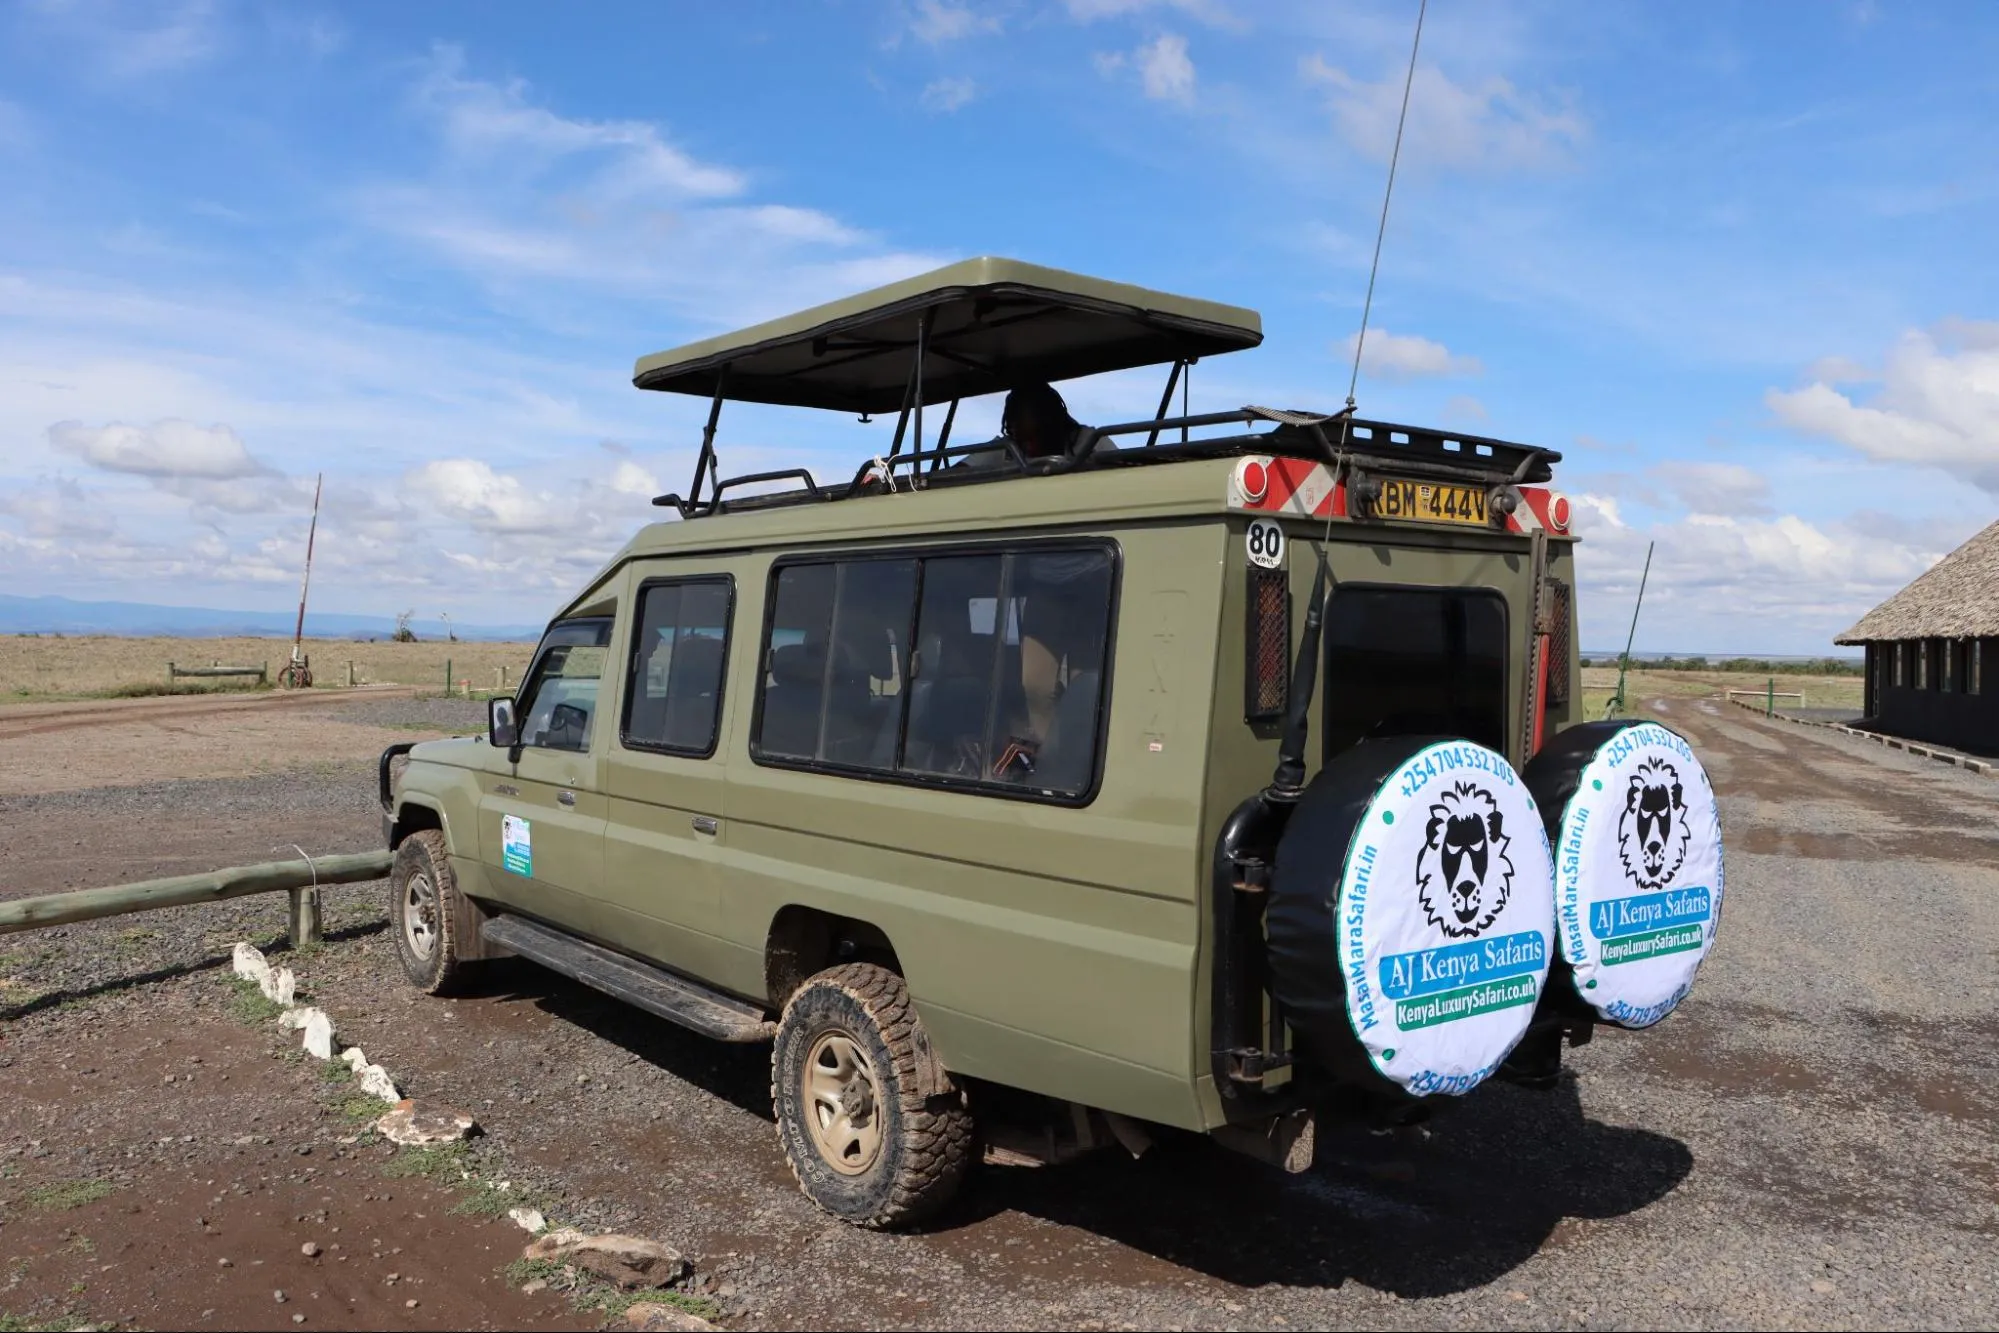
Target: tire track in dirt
x=42, y=719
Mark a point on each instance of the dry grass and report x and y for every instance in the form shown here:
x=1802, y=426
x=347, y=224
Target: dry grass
x=1819, y=691
x=47, y=666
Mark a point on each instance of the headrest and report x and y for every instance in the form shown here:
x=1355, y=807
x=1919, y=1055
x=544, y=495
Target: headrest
x=697, y=660
x=798, y=664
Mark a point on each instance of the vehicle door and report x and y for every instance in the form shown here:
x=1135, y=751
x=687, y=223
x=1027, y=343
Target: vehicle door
x=541, y=815
x=664, y=773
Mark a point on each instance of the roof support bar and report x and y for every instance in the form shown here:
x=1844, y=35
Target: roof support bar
x=944, y=437
x=916, y=375
x=706, y=463
x=1166, y=402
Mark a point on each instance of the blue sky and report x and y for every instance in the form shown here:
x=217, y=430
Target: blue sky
x=1735, y=261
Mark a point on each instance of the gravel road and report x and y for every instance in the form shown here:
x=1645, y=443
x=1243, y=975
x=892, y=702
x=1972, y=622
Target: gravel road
x=1807, y=1142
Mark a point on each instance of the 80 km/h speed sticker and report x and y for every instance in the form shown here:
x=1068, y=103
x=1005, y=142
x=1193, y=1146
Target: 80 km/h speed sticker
x=1266, y=543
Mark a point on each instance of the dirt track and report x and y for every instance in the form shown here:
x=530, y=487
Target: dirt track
x=1807, y=1143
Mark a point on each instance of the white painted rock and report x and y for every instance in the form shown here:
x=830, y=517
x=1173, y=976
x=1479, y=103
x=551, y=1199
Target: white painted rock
x=374, y=1079
x=652, y=1317
x=279, y=987
x=415, y=1126
x=249, y=963
x=529, y=1219
x=630, y=1261
x=319, y=1035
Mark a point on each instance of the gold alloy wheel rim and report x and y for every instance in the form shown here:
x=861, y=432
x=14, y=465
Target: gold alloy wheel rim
x=420, y=915
x=842, y=1103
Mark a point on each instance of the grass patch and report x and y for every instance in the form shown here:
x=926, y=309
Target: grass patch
x=335, y=1071
x=356, y=1110
x=250, y=1005
x=10, y=1323
x=443, y=1163
x=586, y=1291
x=614, y=1303
x=147, y=689
x=66, y=1194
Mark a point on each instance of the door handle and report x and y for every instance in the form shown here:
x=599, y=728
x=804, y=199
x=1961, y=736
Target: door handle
x=566, y=797
x=707, y=824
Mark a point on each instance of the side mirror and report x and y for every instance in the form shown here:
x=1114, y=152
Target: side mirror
x=503, y=729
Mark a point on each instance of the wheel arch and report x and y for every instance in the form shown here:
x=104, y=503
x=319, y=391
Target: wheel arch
x=804, y=941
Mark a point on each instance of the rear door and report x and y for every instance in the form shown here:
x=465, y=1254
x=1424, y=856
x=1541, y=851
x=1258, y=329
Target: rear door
x=665, y=832
x=541, y=816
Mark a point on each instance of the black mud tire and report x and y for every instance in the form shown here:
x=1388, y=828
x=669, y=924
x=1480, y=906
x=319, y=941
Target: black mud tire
x=427, y=940
x=926, y=1144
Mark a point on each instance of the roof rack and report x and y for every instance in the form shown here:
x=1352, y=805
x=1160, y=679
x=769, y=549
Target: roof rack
x=990, y=324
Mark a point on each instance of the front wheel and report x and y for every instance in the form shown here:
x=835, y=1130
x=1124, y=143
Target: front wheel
x=873, y=1127
x=423, y=910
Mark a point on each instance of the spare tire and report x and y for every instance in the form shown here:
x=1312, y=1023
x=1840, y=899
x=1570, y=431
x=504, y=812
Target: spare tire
x=1411, y=914
x=1638, y=866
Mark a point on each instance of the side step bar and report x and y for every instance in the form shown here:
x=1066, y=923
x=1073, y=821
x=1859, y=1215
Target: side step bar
x=688, y=1003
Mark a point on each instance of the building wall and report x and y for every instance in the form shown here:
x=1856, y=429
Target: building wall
x=1945, y=691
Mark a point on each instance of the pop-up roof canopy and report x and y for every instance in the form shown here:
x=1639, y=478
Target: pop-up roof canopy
x=986, y=325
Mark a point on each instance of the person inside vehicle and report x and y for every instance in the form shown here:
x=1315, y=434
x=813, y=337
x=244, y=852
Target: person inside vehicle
x=1037, y=422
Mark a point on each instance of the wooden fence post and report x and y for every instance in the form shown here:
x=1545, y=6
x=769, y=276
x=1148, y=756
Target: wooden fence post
x=304, y=920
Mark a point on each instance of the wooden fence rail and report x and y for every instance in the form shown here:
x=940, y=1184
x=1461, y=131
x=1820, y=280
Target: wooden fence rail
x=299, y=878
x=178, y=672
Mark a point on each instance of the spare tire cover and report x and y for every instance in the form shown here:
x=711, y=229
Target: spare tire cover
x=1638, y=864
x=1412, y=910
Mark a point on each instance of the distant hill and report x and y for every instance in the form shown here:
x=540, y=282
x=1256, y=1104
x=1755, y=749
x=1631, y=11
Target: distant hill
x=60, y=615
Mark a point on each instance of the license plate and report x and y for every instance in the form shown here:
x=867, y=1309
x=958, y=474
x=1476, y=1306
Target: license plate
x=1432, y=502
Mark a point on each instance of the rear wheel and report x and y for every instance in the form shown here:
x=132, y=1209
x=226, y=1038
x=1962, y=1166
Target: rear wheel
x=423, y=907
x=873, y=1127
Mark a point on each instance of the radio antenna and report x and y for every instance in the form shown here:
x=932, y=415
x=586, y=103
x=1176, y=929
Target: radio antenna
x=1394, y=156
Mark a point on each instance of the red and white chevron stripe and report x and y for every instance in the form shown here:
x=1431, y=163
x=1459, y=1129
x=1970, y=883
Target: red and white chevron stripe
x=1298, y=487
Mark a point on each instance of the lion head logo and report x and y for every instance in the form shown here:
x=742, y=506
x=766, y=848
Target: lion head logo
x=1463, y=873
x=1652, y=833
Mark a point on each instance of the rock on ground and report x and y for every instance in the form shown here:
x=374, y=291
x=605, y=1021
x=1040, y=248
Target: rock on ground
x=630, y=1261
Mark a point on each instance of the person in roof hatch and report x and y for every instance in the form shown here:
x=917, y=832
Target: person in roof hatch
x=1037, y=422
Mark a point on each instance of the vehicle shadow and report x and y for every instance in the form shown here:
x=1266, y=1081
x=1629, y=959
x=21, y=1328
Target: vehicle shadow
x=1491, y=1187
x=739, y=1075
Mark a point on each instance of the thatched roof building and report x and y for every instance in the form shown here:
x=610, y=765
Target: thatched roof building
x=1957, y=599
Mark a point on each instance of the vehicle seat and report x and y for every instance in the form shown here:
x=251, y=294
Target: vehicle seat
x=1064, y=761
x=692, y=681
x=791, y=700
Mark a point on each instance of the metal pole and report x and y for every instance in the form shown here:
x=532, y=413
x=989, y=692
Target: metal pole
x=1617, y=703
x=922, y=349
x=1165, y=402
x=311, y=533
x=1770, y=698
x=707, y=455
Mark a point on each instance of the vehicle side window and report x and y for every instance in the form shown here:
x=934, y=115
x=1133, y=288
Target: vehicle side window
x=1003, y=688
x=833, y=675
x=559, y=701
x=674, y=698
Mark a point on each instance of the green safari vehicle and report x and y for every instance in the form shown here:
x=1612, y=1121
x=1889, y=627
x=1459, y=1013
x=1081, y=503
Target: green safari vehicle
x=1220, y=772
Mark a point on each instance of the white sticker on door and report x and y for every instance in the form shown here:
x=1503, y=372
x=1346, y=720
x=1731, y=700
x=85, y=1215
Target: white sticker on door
x=516, y=845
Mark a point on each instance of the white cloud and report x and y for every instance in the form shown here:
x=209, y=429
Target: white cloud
x=1406, y=356
x=628, y=478
x=1937, y=405
x=1490, y=125
x=937, y=21
x=1165, y=69
x=471, y=492
x=1726, y=489
x=1739, y=583
x=490, y=121
x=948, y=95
x=134, y=40
x=1462, y=407
x=164, y=449
x=1204, y=11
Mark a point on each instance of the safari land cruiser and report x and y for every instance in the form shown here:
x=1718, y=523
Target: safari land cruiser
x=1220, y=772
